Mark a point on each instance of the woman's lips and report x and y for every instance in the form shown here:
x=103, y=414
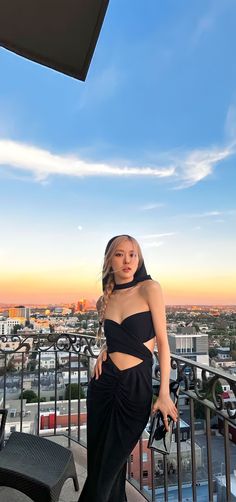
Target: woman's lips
x=126, y=269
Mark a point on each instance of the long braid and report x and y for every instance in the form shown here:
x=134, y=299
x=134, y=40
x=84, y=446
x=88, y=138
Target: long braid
x=103, y=305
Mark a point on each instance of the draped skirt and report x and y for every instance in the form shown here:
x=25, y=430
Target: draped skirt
x=118, y=409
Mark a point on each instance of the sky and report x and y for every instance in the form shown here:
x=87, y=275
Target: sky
x=145, y=146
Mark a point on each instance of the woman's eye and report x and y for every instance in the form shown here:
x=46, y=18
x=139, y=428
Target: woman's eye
x=120, y=254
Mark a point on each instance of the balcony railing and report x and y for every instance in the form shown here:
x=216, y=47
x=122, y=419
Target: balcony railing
x=203, y=452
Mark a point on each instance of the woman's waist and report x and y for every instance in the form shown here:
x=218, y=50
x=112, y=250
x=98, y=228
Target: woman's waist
x=129, y=353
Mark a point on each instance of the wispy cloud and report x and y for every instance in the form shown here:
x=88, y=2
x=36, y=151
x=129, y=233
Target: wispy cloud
x=101, y=88
x=183, y=169
x=154, y=236
x=210, y=214
x=230, y=123
x=204, y=25
x=206, y=214
x=153, y=244
x=42, y=163
x=152, y=205
x=199, y=164
x=208, y=20
x=149, y=240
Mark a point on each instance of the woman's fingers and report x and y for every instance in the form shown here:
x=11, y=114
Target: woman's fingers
x=165, y=420
x=98, y=366
x=174, y=413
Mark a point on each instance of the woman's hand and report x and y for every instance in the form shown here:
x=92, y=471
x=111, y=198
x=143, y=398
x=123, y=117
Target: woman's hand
x=97, y=370
x=167, y=407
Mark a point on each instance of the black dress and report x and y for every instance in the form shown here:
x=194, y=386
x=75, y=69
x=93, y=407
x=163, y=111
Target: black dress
x=118, y=409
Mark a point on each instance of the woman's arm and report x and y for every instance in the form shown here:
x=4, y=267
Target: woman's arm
x=98, y=306
x=157, y=307
x=156, y=304
x=103, y=347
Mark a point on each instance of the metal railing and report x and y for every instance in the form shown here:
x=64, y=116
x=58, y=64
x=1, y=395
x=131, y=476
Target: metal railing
x=203, y=453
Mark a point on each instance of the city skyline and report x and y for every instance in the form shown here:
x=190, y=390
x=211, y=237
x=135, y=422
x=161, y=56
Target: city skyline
x=146, y=146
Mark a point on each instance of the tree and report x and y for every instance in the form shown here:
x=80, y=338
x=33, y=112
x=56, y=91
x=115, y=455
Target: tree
x=16, y=327
x=76, y=391
x=29, y=395
x=32, y=365
x=212, y=352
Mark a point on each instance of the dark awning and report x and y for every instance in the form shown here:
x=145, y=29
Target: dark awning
x=61, y=34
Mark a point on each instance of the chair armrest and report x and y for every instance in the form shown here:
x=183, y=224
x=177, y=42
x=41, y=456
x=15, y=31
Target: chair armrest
x=2, y=426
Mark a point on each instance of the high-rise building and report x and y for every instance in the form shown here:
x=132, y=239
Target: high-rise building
x=19, y=311
x=83, y=305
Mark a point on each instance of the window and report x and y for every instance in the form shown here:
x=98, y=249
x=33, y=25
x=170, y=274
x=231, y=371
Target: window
x=145, y=474
x=131, y=458
x=145, y=457
x=13, y=428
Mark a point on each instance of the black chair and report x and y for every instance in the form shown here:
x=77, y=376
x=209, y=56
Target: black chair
x=36, y=466
x=2, y=426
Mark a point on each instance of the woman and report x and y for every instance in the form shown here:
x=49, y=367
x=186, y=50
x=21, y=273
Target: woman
x=120, y=393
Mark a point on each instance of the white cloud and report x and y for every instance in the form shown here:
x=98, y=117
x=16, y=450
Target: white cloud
x=210, y=213
x=153, y=244
x=154, y=236
x=153, y=205
x=204, y=215
x=199, y=164
x=42, y=163
x=183, y=169
x=230, y=123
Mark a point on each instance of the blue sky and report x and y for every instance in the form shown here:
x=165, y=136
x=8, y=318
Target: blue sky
x=145, y=146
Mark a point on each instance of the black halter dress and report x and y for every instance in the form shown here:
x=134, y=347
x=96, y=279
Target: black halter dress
x=118, y=408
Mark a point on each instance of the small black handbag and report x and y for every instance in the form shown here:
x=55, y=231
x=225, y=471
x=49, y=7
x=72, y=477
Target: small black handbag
x=160, y=438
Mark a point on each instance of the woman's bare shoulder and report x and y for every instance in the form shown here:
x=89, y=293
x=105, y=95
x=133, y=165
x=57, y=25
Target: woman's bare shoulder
x=150, y=288
x=150, y=284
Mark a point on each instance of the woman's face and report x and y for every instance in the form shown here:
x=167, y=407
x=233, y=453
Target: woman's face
x=125, y=261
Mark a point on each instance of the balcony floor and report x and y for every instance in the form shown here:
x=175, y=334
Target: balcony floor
x=68, y=493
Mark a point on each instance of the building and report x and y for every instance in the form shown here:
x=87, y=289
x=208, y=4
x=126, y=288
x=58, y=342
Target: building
x=171, y=458
x=20, y=311
x=3, y=328
x=190, y=343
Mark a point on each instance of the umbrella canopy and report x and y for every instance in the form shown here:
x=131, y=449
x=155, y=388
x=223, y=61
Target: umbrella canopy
x=60, y=34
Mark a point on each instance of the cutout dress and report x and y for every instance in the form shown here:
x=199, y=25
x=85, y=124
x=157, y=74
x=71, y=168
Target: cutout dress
x=118, y=408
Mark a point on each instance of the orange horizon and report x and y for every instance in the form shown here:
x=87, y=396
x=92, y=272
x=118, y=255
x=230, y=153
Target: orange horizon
x=70, y=285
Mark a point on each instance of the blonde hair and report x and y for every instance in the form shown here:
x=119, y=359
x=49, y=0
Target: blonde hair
x=110, y=283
